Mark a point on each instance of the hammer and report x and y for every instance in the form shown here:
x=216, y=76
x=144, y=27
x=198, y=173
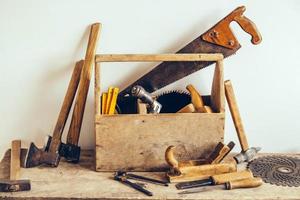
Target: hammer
x=13, y=184
x=247, y=153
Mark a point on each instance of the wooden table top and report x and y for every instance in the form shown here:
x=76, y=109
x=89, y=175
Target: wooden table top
x=80, y=181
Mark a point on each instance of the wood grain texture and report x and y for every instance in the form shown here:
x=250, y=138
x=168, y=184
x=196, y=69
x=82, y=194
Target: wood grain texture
x=78, y=112
x=15, y=160
x=80, y=181
x=245, y=183
x=144, y=139
x=217, y=90
x=235, y=114
x=157, y=57
x=192, y=173
x=66, y=107
x=223, y=178
x=97, y=89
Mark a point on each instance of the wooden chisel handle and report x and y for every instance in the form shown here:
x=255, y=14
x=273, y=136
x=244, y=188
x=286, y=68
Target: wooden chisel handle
x=197, y=99
x=234, y=110
x=233, y=176
x=77, y=117
x=244, y=183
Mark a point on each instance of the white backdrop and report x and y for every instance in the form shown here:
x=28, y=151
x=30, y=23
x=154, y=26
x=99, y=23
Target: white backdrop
x=41, y=40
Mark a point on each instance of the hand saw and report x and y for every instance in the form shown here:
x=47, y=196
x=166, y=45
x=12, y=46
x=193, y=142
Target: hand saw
x=218, y=39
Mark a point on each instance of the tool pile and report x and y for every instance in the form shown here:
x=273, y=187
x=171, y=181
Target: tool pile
x=192, y=176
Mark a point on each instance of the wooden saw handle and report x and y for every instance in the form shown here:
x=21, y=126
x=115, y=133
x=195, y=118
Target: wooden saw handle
x=222, y=35
x=234, y=110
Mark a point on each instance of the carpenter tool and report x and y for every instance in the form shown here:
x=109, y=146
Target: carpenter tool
x=14, y=184
x=113, y=101
x=190, y=108
x=123, y=178
x=220, y=152
x=197, y=100
x=172, y=101
x=277, y=170
x=103, y=102
x=83, y=88
x=247, y=153
x=218, y=39
x=243, y=183
x=215, y=179
x=144, y=96
x=54, y=148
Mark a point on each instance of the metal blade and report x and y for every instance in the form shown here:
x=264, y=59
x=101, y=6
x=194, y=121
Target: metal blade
x=202, y=189
x=169, y=72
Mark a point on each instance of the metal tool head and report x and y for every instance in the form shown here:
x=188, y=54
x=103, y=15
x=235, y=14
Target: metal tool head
x=36, y=156
x=70, y=152
x=14, y=185
x=246, y=156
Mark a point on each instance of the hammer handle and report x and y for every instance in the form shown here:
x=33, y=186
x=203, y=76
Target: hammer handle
x=234, y=110
x=83, y=88
x=15, y=165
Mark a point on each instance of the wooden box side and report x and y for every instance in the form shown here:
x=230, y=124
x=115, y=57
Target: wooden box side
x=138, y=142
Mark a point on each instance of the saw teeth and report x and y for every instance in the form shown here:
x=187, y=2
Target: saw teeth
x=183, y=92
x=173, y=100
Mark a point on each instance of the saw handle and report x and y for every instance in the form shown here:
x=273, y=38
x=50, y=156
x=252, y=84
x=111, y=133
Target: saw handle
x=246, y=24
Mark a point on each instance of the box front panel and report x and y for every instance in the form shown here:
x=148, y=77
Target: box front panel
x=138, y=142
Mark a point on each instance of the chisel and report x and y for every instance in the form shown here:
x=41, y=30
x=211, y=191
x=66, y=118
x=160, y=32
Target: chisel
x=243, y=183
x=216, y=179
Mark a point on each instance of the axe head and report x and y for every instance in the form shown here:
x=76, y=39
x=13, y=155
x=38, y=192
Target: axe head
x=70, y=152
x=36, y=156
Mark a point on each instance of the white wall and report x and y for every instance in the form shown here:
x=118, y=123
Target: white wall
x=41, y=40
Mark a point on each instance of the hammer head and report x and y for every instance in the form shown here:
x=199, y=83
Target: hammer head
x=14, y=185
x=246, y=156
x=36, y=156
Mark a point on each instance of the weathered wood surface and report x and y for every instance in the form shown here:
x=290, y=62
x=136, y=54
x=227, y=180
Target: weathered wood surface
x=80, y=181
x=138, y=142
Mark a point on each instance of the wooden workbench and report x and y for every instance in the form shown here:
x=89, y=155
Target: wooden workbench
x=80, y=181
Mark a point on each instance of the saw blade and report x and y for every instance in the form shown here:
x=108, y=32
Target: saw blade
x=278, y=170
x=172, y=101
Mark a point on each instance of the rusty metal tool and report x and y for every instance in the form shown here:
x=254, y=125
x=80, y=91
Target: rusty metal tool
x=14, y=184
x=54, y=148
x=144, y=96
x=218, y=39
x=247, y=153
x=242, y=183
x=123, y=177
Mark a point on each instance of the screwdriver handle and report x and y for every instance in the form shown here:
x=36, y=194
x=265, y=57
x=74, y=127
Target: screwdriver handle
x=244, y=183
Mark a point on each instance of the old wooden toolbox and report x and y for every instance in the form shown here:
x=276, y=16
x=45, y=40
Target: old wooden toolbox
x=138, y=142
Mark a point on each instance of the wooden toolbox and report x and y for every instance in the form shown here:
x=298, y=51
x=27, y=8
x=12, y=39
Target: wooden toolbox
x=135, y=142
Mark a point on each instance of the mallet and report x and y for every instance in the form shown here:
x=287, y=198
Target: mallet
x=247, y=153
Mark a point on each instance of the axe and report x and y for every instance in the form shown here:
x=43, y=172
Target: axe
x=53, y=150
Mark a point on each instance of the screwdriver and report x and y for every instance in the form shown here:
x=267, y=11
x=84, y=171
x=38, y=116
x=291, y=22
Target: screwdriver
x=243, y=183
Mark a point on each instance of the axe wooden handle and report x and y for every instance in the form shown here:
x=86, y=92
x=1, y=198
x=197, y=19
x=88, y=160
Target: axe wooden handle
x=76, y=122
x=66, y=107
x=234, y=110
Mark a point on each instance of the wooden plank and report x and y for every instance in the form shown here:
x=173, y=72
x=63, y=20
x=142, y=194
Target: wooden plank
x=78, y=111
x=85, y=183
x=217, y=90
x=144, y=139
x=97, y=89
x=157, y=57
x=15, y=160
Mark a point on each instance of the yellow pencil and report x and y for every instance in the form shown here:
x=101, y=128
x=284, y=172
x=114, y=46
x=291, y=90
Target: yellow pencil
x=113, y=101
x=103, y=102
